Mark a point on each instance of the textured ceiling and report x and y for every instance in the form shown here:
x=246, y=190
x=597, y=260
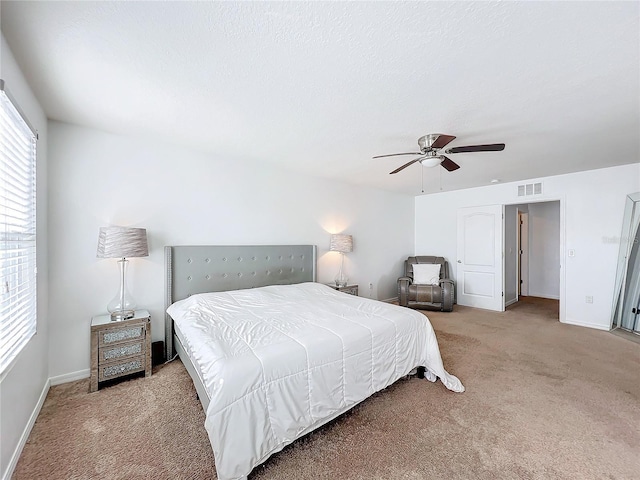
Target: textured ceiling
x=322, y=87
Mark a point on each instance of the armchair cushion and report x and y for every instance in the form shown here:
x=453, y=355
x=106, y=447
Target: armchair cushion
x=426, y=274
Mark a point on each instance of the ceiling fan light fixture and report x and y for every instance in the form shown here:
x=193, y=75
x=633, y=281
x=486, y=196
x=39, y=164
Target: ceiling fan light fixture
x=429, y=157
x=430, y=161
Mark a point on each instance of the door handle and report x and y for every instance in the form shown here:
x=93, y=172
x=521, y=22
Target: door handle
x=459, y=261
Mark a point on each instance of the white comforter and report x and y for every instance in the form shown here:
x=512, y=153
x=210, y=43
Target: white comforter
x=280, y=361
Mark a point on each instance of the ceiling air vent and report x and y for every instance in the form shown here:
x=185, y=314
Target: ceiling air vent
x=530, y=189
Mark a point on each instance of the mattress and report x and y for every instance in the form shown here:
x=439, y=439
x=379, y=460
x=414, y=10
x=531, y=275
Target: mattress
x=280, y=361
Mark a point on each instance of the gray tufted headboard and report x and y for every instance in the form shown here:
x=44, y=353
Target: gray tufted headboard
x=218, y=268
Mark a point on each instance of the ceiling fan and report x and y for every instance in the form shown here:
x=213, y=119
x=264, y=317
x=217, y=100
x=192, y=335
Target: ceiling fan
x=429, y=156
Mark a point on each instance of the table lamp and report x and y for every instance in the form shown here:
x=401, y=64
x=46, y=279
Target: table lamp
x=343, y=244
x=122, y=242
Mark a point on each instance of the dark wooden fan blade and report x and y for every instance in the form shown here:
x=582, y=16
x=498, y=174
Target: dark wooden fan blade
x=442, y=140
x=396, y=154
x=494, y=147
x=404, y=166
x=449, y=164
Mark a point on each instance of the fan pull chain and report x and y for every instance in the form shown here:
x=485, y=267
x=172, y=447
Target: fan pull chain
x=422, y=176
x=440, y=171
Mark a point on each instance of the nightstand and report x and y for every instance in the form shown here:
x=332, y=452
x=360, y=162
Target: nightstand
x=120, y=348
x=350, y=289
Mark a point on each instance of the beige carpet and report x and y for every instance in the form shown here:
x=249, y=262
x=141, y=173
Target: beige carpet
x=544, y=401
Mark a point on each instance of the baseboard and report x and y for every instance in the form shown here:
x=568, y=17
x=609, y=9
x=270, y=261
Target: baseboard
x=589, y=325
x=390, y=300
x=27, y=431
x=510, y=302
x=70, y=377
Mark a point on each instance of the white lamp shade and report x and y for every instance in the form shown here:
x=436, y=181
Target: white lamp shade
x=341, y=243
x=431, y=161
x=122, y=242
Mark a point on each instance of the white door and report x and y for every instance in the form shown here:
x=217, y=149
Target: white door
x=480, y=279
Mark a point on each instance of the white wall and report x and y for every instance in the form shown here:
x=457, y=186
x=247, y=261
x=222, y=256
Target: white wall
x=185, y=197
x=544, y=249
x=23, y=387
x=591, y=209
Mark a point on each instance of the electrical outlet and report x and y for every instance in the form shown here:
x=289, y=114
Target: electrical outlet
x=588, y=299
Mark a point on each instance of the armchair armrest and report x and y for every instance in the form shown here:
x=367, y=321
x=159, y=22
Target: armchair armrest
x=447, y=294
x=403, y=291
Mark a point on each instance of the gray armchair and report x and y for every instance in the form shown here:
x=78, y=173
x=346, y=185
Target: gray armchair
x=436, y=296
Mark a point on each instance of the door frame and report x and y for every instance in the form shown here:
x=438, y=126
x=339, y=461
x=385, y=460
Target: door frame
x=522, y=286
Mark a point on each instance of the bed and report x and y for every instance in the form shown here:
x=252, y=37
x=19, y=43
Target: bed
x=274, y=355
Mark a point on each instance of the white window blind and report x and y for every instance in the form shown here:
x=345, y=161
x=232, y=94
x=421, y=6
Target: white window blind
x=17, y=231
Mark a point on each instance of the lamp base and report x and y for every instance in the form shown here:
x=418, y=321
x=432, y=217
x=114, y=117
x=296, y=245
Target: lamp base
x=122, y=315
x=341, y=279
x=122, y=306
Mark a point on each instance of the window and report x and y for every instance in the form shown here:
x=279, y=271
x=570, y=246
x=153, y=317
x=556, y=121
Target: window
x=17, y=231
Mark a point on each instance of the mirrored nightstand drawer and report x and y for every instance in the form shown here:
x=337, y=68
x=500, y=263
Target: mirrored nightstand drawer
x=121, y=334
x=123, y=367
x=120, y=351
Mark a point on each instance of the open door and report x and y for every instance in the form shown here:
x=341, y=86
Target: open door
x=480, y=277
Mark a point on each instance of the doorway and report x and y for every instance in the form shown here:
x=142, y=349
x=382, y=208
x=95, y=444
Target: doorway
x=532, y=253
